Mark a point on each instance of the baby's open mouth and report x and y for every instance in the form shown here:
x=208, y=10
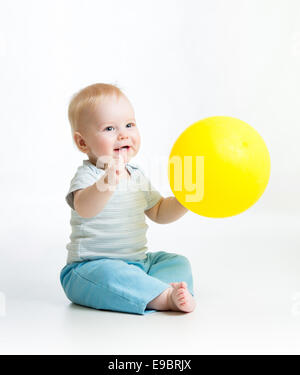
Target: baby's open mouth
x=122, y=148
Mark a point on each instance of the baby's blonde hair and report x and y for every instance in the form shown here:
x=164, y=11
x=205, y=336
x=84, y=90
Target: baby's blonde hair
x=83, y=102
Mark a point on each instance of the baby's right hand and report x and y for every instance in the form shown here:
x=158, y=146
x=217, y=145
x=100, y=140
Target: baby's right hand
x=114, y=168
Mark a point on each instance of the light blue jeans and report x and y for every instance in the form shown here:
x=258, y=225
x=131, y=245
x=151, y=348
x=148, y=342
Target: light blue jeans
x=124, y=285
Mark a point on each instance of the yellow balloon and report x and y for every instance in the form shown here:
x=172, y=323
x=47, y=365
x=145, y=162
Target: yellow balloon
x=219, y=167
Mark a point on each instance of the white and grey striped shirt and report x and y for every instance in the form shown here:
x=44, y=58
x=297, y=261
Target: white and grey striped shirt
x=119, y=230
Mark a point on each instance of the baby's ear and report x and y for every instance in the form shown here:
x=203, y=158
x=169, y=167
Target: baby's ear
x=80, y=142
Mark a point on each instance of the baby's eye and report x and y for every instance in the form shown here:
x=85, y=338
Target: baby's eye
x=109, y=128
x=130, y=125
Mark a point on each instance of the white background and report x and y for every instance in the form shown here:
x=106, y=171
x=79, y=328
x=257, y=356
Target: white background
x=178, y=62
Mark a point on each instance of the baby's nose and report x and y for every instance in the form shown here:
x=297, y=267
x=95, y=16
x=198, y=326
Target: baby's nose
x=122, y=135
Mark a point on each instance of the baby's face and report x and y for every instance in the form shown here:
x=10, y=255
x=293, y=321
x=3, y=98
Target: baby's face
x=112, y=127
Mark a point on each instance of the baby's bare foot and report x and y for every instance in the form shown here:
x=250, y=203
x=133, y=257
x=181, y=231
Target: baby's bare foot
x=180, y=298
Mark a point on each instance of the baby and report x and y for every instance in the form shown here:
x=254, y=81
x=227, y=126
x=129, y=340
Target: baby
x=108, y=266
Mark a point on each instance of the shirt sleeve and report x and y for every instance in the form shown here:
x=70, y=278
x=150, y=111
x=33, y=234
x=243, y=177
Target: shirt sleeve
x=83, y=178
x=152, y=195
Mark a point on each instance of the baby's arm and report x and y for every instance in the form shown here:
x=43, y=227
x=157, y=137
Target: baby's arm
x=166, y=211
x=90, y=201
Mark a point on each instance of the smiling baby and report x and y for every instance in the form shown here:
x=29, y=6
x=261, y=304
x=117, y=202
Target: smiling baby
x=109, y=266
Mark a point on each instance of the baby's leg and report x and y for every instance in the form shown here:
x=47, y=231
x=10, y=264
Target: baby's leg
x=171, y=268
x=111, y=284
x=175, y=298
x=168, y=267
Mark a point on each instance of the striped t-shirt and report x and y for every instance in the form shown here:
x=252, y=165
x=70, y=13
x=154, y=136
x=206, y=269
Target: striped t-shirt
x=119, y=230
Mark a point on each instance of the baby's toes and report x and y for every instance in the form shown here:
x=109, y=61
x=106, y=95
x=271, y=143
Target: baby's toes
x=181, y=295
x=180, y=284
x=184, y=300
x=181, y=290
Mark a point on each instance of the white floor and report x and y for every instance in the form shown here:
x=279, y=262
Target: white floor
x=247, y=283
